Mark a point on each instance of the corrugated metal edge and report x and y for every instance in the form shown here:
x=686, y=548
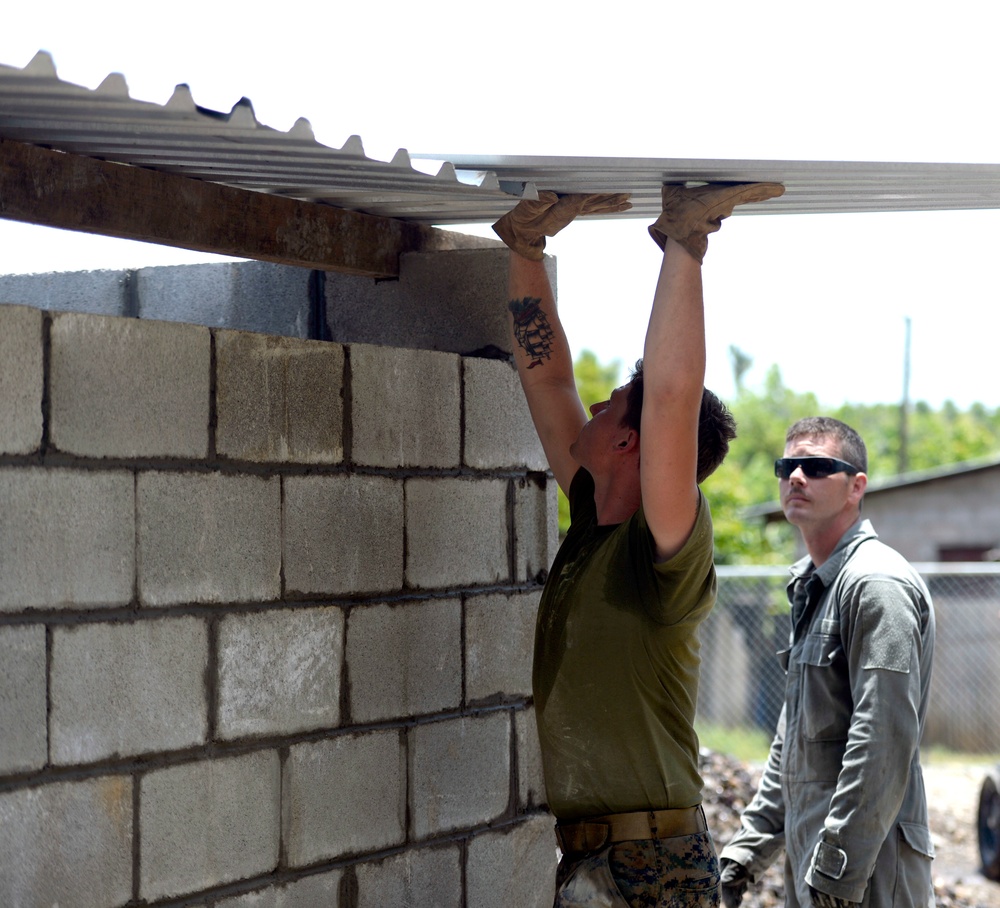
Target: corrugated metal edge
x=112, y=121
x=235, y=149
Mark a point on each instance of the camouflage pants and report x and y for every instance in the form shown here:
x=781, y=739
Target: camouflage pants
x=678, y=872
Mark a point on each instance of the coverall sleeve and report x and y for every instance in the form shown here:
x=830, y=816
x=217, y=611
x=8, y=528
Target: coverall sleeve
x=880, y=628
x=761, y=835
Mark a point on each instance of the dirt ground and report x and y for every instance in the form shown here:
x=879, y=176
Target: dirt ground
x=953, y=799
x=952, y=795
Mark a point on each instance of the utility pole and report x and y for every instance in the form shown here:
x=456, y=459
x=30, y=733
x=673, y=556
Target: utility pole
x=904, y=407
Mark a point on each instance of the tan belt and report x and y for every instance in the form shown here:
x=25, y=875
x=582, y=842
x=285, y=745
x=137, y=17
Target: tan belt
x=594, y=833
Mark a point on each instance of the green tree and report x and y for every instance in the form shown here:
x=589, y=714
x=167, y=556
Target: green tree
x=935, y=438
x=594, y=382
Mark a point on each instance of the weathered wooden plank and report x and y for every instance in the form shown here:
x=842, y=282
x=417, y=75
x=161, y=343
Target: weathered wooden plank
x=70, y=191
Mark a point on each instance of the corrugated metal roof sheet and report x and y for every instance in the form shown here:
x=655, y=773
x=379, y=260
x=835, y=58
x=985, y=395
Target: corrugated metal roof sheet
x=38, y=108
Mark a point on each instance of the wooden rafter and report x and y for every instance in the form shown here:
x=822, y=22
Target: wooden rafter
x=73, y=192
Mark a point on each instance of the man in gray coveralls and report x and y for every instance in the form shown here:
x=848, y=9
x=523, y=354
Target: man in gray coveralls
x=843, y=790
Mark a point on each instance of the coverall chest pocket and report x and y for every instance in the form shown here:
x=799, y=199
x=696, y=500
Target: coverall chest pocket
x=826, y=691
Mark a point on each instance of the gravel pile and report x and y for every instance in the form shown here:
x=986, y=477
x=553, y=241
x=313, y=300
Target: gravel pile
x=729, y=786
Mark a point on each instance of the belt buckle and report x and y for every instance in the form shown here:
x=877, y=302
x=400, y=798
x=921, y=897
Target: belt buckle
x=582, y=838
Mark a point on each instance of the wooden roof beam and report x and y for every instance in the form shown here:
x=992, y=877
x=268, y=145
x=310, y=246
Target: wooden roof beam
x=73, y=192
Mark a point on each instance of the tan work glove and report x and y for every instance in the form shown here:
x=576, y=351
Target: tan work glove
x=525, y=227
x=690, y=214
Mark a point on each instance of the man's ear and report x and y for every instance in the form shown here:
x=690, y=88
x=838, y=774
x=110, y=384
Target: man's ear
x=859, y=482
x=627, y=442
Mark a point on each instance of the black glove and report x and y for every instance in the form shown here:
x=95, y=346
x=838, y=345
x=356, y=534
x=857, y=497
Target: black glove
x=734, y=878
x=825, y=900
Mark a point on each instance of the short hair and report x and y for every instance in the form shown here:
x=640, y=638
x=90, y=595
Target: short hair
x=716, y=425
x=850, y=445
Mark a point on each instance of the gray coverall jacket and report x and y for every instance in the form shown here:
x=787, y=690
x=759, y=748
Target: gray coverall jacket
x=843, y=790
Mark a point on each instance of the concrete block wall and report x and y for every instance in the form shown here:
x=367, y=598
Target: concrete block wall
x=266, y=616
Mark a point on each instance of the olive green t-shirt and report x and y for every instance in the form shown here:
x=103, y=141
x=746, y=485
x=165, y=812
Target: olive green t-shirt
x=616, y=664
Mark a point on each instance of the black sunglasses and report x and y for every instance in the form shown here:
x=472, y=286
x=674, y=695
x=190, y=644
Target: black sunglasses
x=813, y=467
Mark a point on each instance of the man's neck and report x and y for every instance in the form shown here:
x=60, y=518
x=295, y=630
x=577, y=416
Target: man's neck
x=821, y=542
x=617, y=498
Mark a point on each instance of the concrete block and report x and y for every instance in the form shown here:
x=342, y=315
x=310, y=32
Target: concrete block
x=102, y=292
x=405, y=407
x=278, y=400
x=208, y=537
x=23, y=724
x=67, y=538
x=318, y=891
x=21, y=379
x=456, y=532
x=513, y=866
x=127, y=388
x=343, y=534
x=208, y=823
x=343, y=796
x=279, y=671
x=124, y=689
x=451, y=301
x=404, y=660
x=530, y=777
x=536, y=526
x=499, y=432
x=499, y=643
x=459, y=772
x=429, y=876
x=247, y=296
x=67, y=843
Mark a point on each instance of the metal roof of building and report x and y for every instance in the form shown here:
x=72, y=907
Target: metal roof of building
x=37, y=107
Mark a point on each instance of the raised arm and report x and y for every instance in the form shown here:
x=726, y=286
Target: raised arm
x=541, y=352
x=544, y=364
x=674, y=357
x=673, y=378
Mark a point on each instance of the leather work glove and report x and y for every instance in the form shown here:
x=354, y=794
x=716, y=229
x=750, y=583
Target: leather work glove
x=734, y=878
x=825, y=900
x=525, y=226
x=691, y=213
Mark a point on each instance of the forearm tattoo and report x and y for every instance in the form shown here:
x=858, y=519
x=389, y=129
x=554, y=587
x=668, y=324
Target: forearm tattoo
x=531, y=329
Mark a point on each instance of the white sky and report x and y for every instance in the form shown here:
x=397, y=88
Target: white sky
x=823, y=296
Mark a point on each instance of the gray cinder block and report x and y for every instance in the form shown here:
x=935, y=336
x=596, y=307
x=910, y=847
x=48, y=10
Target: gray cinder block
x=102, y=292
x=124, y=689
x=404, y=660
x=498, y=428
x=460, y=773
x=456, y=532
x=343, y=796
x=67, y=538
x=279, y=671
x=23, y=735
x=208, y=537
x=531, y=848
x=317, y=891
x=129, y=388
x=67, y=843
x=500, y=635
x=453, y=301
x=278, y=399
x=428, y=876
x=405, y=409
x=536, y=526
x=247, y=296
x=530, y=778
x=20, y=379
x=208, y=823
x=343, y=534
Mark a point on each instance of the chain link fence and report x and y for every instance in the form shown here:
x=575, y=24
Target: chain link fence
x=742, y=684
